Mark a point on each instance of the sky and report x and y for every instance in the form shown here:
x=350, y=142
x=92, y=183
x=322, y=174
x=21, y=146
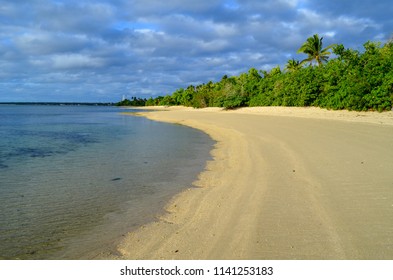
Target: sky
x=102, y=50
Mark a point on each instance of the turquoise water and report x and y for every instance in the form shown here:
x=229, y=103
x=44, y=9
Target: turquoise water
x=74, y=179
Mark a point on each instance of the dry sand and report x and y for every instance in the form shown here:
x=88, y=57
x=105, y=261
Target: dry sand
x=285, y=183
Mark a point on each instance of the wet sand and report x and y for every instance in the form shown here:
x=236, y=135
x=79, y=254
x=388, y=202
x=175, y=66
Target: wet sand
x=285, y=183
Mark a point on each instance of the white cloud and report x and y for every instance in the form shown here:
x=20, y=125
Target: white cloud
x=213, y=46
x=69, y=61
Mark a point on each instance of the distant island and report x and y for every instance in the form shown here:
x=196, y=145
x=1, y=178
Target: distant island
x=352, y=80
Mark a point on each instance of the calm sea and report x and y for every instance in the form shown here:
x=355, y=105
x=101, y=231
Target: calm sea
x=74, y=179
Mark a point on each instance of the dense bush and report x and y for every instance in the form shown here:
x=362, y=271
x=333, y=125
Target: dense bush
x=133, y=102
x=352, y=80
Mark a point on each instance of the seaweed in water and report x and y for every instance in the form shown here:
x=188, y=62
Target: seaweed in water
x=32, y=152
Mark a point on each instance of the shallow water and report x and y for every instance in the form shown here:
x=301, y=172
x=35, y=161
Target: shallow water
x=73, y=179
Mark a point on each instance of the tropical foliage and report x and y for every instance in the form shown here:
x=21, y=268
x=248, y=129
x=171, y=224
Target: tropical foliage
x=313, y=48
x=293, y=65
x=133, y=102
x=353, y=80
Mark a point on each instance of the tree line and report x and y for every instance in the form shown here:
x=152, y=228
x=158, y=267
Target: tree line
x=134, y=101
x=353, y=80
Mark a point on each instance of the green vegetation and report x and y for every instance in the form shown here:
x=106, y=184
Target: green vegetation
x=313, y=48
x=351, y=80
x=133, y=102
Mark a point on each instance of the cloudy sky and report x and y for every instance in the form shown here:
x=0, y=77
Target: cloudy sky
x=101, y=50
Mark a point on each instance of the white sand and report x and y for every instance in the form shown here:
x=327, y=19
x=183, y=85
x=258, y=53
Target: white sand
x=285, y=183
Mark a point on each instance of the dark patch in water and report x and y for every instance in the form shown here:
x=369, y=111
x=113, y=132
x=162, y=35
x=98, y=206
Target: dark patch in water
x=116, y=179
x=3, y=166
x=74, y=137
x=32, y=152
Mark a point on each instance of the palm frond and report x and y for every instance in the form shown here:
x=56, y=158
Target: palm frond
x=313, y=49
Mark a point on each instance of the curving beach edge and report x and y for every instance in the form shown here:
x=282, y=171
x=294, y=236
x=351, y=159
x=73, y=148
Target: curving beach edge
x=284, y=183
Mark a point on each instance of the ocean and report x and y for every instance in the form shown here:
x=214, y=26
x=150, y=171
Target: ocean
x=75, y=179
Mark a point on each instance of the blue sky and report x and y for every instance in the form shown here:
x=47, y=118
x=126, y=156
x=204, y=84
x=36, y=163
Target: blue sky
x=101, y=50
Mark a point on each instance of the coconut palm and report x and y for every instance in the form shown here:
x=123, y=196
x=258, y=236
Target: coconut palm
x=292, y=65
x=313, y=48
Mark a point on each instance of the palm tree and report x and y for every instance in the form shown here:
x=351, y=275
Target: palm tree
x=292, y=65
x=313, y=48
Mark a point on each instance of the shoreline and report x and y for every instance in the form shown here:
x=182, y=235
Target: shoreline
x=267, y=195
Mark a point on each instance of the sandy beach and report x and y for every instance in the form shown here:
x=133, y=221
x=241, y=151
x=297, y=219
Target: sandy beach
x=284, y=183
